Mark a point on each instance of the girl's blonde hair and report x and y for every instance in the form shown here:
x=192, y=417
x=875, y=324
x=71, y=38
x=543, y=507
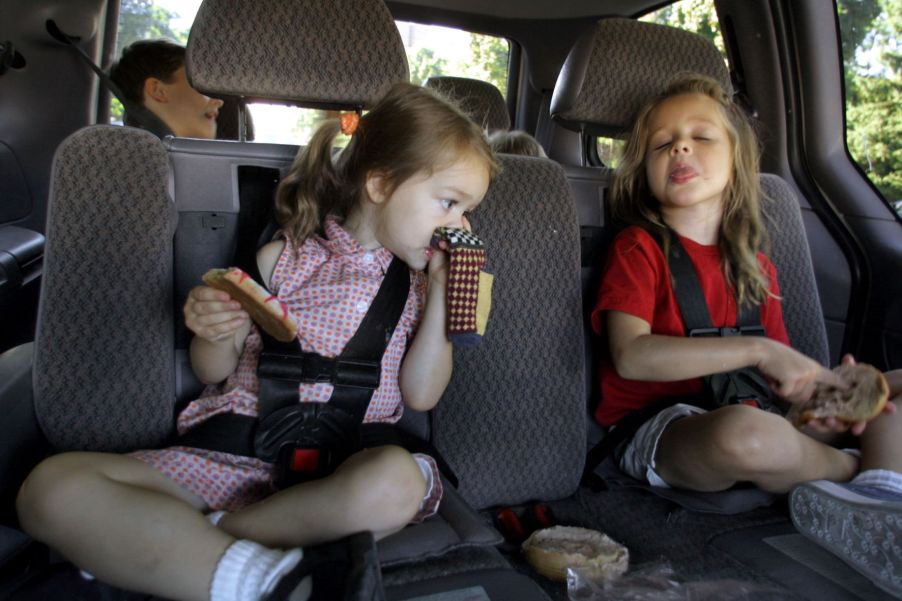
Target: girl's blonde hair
x=411, y=130
x=741, y=231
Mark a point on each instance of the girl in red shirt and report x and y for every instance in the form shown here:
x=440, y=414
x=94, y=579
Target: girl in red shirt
x=690, y=171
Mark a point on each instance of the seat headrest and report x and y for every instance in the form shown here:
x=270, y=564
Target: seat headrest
x=480, y=100
x=335, y=54
x=619, y=64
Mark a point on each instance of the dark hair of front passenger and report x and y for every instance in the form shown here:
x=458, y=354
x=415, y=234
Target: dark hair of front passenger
x=143, y=59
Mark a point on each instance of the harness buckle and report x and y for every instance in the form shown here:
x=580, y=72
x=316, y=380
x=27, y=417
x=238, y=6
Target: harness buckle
x=709, y=332
x=727, y=331
x=304, y=460
x=358, y=373
x=310, y=367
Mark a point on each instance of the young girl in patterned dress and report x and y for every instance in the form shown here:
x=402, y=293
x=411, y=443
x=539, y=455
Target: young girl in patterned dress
x=138, y=521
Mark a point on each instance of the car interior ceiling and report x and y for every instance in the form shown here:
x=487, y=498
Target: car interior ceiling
x=783, y=69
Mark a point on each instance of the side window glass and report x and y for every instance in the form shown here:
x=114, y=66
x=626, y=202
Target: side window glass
x=434, y=50
x=431, y=50
x=697, y=16
x=872, y=63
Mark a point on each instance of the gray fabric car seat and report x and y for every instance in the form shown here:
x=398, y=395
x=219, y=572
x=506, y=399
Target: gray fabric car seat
x=512, y=422
x=103, y=362
x=480, y=100
x=789, y=251
x=344, y=53
x=309, y=72
x=617, y=64
x=226, y=55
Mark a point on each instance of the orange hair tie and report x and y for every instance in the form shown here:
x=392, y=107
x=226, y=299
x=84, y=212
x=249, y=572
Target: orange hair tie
x=349, y=123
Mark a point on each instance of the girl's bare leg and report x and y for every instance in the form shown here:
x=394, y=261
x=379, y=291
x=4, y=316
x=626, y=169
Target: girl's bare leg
x=715, y=450
x=377, y=489
x=124, y=522
x=881, y=441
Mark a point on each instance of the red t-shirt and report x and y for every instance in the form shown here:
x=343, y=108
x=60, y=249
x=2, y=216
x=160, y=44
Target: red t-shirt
x=636, y=281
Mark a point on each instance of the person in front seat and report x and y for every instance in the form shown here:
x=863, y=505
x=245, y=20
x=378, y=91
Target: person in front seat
x=688, y=185
x=414, y=163
x=151, y=73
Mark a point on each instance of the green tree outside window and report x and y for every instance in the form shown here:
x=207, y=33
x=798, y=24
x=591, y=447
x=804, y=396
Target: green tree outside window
x=872, y=61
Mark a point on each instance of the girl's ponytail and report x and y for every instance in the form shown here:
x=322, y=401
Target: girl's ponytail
x=312, y=187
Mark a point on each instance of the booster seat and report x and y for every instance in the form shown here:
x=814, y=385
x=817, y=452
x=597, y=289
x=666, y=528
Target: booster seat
x=134, y=223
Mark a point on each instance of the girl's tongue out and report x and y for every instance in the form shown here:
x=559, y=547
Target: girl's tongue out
x=682, y=174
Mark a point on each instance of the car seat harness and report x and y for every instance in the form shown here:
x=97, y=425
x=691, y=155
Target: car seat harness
x=740, y=386
x=744, y=386
x=308, y=440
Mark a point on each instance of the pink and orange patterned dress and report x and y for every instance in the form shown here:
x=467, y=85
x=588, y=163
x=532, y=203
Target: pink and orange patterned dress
x=328, y=286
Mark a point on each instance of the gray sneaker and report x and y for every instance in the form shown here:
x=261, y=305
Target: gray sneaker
x=862, y=525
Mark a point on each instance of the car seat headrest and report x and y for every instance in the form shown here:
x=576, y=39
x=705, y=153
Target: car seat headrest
x=619, y=64
x=336, y=54
x=480, y=100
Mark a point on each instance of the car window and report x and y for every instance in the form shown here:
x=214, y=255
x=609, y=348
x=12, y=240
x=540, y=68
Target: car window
x=431, y=51
x=697, y=16
x=872, y=61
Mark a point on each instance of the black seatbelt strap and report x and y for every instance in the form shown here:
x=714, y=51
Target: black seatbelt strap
x=140, y=113
x=693, y=307
x=691, y=299
x=355, y=373
x=745, y=385
x=283, y=422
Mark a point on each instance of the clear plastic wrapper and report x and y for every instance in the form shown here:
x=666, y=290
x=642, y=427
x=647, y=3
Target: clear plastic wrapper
x=657, y=582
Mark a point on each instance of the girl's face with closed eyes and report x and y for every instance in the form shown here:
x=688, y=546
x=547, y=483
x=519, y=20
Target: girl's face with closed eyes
x=689, y=154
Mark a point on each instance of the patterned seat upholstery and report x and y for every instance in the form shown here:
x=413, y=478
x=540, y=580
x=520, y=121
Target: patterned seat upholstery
x=342, y=53
x=618, y=64
x=480, y=100
x=512, y=422
x=103, y=357
x=788, y=249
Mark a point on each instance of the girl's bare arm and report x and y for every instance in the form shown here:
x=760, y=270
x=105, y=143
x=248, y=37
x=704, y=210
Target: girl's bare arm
x=220, y=326
x=427, y=366
x=638, y=354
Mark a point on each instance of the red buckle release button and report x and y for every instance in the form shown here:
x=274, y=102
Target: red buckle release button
x=305, y=460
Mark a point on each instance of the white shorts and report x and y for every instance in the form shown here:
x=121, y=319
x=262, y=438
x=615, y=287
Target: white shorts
x=426, y=468
x=637, y=458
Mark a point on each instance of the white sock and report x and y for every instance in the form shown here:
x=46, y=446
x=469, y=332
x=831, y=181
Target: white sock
x=247, y=570
x=215, y=516
x=883, y=479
